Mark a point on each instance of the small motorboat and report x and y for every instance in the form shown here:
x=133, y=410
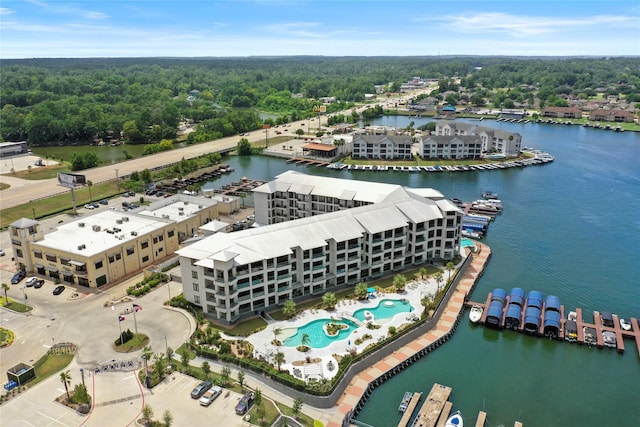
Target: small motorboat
x=454, y=420
x=490, y=195
x=572, y=316
x=406, y=399
x=475, y=314
x=624, y=324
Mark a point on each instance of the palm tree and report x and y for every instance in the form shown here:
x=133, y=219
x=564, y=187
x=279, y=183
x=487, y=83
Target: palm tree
x=89, y=185
x=423, y=272
x=305, y=340
x=5, y=288
x=289, y=309
x=329, y=300
x=399, y=281
x=279, y=359
x=276, y=332
x=65, y=378
x=361, y=291
x=439, y=278
x=297, y=407
x=450, y=267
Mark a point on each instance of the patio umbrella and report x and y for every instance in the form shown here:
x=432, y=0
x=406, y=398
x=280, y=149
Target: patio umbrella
x=371, y=290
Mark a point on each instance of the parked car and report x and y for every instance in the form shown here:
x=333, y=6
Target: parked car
x=58, y=290
x=38, y=284
x=210, y=395
x=245, y=403
x=2, y=252
x=104, y=202
x=89, y=206
x=200, y=389
x=31, y=281
x=17, y=278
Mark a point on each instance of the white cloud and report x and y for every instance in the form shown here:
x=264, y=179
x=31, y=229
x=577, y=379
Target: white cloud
x=5, y=11
x=521, y=25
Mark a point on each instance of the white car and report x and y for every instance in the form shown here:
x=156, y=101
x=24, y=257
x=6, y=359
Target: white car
x=210, y=395
x=89, y=206
x=31, y=281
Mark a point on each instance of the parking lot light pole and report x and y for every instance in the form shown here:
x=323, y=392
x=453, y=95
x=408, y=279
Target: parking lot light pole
x=146, y=372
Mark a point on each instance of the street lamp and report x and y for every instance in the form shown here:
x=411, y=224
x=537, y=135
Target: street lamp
x=146, y=372
x=82, y=375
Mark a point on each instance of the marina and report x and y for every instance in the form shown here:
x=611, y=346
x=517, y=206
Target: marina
x=532, y=316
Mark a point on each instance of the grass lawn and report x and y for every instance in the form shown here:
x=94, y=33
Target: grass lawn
x=305, y=420
x=136, y=343
x=270, y=412
x=60, y=203
x=46, y=172
x=48, y=365
x=16, y=306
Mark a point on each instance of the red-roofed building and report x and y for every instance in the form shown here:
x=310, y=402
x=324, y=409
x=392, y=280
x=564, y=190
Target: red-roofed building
x=611, y=116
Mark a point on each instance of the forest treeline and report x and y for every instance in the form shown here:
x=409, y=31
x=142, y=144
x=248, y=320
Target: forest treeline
x=52, y=101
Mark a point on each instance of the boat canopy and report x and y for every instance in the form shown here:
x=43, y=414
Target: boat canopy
x=499, y=295
x=552, y=302
x=534, y=299
x=532, y=318
x=552, y=319
x=607, y=318
x=494, y=313
x=516, y=296
x=514, y=311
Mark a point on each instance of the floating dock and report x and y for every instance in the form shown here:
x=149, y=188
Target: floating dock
x=406, y=417
x=597, y=324
x=432, y=407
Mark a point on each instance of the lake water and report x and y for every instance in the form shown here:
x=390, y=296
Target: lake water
x=571, y=228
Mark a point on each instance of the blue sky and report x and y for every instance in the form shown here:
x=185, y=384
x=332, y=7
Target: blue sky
x=121, y=28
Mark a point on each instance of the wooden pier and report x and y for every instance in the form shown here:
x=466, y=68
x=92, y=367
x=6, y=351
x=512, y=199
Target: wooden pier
x=406, y=417
x=308, y=162
x=237, y=188
x=597, y=325
x=432, y=407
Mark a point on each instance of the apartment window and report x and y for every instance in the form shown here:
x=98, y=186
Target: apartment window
x=145, y=244
x=194, y=274
x=32, y=229
x=111, y=259
x=196, y=287
x=130, y=251
x=196, y=299
x=98, y=264
x=51, y=258
x=118, y=256
x=37, y=254
x=170, y=233
x=64, y=261
x=19, y=253
x=145, y=258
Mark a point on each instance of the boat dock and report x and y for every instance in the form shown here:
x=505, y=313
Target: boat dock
x=597, y=324
x=308, y=162
x=238, y=188
x=406, y=417
x=431, y=409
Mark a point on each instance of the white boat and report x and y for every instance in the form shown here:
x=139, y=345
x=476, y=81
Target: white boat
x=572, y=316
x=624, y=324
x=475, y=314
x=405, y=401
x=454, y=420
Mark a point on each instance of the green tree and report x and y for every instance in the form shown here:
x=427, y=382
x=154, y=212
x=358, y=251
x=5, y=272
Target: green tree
x=80, y=394
x=329, y=300
x=5, y=288
x=159, y=365
x=65, y=378
x=276, y=333
x=289, y=309
x=361, y=290
x=225, y=374
x=206, y=369
x=169, y=354
x=167, y=418
x=185, y=358
x=257, y=396
x=241, y=378
x=422, y=272
x=299, y=132
x=130, y=131
x=450, y=267
x=244, y=147
x=297, y=407
x=147, y=414
x=279, y=358
x=400, y=282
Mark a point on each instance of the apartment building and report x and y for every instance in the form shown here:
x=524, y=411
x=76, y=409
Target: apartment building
x=493, y=140
x=389, y=147
x=237, y=275
x=293, y=195
x=450, y=147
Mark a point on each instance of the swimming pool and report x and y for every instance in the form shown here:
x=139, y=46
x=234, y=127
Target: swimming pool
x=319, y=339
x=467, y=243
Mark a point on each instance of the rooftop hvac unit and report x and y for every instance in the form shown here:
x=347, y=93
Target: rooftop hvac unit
x=96, y=228
x=119, y=221
x=181, y=209
x=81, y=224
x=165, y=216
x=134, y=233
x=186, y=203
x=125, y=218
x=199, y=206
x=180, y=213
x=79, y=247
x=84, y=246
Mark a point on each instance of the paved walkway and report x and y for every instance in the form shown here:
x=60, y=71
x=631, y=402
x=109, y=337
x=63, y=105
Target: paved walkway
x=455, y=306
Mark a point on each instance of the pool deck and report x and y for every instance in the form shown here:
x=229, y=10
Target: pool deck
x=323, y=361
x=455, y=306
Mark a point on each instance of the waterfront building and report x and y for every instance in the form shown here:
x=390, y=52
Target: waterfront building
x=388, y=147
x=450, y=147
x=107, y=246
x=237, y=275
x=612, y=116
x=493, y=140
x=562, y=112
